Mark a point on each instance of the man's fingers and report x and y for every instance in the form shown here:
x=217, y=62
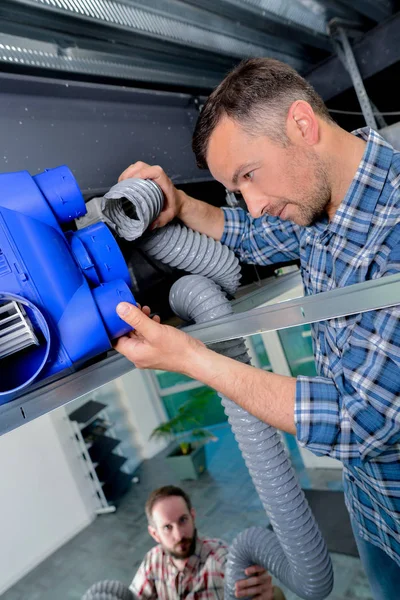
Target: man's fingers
x=255, y=590
x=137, y=319
x=255, y=569
x=124, y=344
x=147, y=311
x=133, y=170
x=259, y=584
x=144, y=171
x=244, y=584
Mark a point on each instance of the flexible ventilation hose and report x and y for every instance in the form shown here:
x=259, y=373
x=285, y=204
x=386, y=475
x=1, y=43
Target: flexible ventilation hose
x=108, y=590
x=194, y=252
x=131, y=205
x=128, y=208
x=296, y=553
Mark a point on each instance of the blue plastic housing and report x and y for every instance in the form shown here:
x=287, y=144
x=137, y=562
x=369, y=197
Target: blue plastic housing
x=68, y=284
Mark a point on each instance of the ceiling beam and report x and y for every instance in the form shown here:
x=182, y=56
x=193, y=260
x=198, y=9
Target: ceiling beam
x=374, y=52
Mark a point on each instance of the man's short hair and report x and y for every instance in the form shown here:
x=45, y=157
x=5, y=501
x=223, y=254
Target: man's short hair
x=164, y=492
x=257, y=94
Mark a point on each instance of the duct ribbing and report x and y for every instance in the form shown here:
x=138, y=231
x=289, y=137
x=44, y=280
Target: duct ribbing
x=295, y=553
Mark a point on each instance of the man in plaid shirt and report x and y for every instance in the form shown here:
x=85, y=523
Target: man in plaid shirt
x=183, y=565
x=331, y=199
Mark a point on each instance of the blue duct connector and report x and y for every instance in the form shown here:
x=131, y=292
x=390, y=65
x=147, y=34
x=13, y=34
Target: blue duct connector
x=58, y=291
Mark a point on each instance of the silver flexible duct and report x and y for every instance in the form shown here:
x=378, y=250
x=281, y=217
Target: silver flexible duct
x=194, y=252
x=108, y=590
x=128, y=208
x=131, y=206
x=296, y=553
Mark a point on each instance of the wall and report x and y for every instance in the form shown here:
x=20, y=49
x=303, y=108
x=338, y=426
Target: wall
x=45, y=498
x=41, y=506
x=144, y=409
x=135, y=408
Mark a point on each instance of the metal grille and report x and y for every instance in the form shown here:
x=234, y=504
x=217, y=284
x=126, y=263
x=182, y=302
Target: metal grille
x=308, y=13
x=176, y=42
x=22, y=51
x=149, y=22
x=16, y=332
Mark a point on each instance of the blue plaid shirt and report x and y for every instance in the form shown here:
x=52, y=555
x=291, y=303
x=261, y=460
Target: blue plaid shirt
x=351, y=410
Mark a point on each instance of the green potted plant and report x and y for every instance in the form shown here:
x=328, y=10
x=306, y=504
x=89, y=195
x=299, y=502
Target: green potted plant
x=188, y=457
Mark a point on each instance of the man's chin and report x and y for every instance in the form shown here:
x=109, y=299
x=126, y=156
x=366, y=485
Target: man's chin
x=188, y=550
x=181, y=555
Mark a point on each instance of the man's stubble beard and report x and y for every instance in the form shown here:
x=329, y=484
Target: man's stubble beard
x=189, y=552
x=313, y=206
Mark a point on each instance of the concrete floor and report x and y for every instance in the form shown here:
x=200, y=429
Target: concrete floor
x=113, y=546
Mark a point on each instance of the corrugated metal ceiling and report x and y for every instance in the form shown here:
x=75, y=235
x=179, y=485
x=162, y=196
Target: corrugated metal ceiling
x=190, y=43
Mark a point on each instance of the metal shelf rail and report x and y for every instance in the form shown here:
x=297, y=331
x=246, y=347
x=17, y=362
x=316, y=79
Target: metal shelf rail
x=361, y=297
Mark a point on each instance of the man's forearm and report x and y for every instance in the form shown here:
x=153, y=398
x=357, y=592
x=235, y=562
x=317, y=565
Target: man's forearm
x=201, y=216
x=268, y=396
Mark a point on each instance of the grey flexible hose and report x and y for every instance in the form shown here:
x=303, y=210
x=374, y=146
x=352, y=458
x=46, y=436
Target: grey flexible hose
x=194, y=252
x=131, y=205
x=129, y=208
x=108, y=590
x=296, y=553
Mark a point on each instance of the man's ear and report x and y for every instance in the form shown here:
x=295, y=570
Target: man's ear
x=153, y=532
x=302, y=124
x=193, y=513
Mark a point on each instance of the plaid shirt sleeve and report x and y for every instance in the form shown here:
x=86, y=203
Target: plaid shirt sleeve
x=143, y=585
x=355, y=416
x=260, y=241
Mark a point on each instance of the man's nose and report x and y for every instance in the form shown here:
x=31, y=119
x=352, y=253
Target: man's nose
x=178, y=533
x=254, y=203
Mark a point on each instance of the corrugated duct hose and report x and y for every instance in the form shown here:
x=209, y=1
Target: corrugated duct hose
x=295, y=552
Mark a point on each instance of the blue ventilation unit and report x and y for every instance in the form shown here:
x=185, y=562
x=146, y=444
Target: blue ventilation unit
x=58, y=291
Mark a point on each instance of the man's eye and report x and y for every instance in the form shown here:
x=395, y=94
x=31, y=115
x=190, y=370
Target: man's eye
x=249, y=176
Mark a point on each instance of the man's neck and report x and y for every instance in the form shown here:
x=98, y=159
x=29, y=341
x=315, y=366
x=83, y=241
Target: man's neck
x=343, y=155
x=180, y=563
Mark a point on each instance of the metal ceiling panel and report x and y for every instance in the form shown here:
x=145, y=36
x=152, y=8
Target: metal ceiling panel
x=375, y=51
x=174, y=42
x=253, y=15
x=16, y=50
x=377, y=10
x=188, y=29
x=97, y=130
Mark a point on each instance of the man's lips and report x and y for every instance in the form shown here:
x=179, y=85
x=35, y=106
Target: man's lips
x=182, y=544
x=282, y=214
x=276, y=213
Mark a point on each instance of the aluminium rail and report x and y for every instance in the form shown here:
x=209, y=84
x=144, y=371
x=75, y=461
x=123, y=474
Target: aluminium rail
x=361, y=297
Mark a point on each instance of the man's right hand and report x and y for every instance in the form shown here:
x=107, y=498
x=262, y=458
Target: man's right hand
x=197, y=215
x=173, y=198
x=257, y=585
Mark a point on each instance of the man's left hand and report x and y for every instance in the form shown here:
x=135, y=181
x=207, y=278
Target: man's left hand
x=155, y=346
x=258, y=585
